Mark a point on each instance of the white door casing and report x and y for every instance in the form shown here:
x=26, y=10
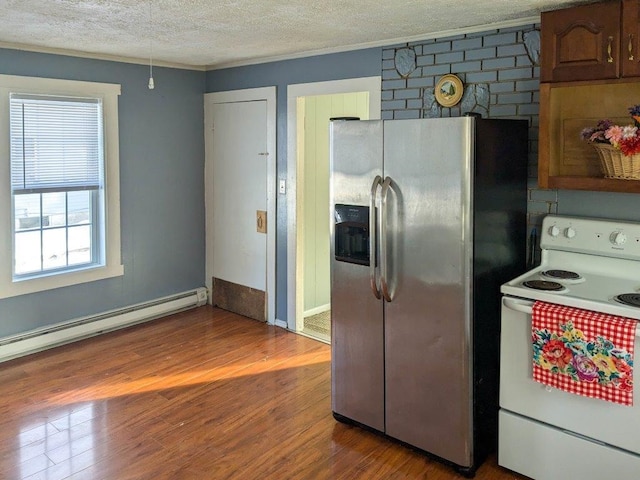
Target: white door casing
x=372, y=85
x=240, y=172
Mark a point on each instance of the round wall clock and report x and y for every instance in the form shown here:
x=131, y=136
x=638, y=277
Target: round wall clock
x=449, y=90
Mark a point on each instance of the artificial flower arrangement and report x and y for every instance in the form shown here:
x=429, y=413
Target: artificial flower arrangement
x=617, y=145
x=624, y=138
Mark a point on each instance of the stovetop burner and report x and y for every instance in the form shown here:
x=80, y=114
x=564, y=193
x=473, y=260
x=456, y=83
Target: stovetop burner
x=631, y=299
x=543, y=285
x=561, y=274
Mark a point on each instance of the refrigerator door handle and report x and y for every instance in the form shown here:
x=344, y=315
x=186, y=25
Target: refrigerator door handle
x=373, y=278
x=383, y=241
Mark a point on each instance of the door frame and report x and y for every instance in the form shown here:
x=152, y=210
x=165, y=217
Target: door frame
x=372, y=85
x=267, y=94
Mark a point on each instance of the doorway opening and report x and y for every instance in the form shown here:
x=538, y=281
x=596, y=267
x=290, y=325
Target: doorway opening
x=313, y=237
x=310, y=106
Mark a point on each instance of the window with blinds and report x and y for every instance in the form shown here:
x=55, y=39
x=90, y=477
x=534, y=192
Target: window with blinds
x=60, y=194
x=56, y=143
x=57, y=180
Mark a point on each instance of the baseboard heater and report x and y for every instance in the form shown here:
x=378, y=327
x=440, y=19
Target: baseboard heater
x=80, y=328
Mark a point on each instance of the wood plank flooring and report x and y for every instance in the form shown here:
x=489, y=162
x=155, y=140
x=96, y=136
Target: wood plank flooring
x=203, y=394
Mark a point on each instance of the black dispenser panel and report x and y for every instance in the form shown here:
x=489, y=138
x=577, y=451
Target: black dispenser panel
x=352, y=234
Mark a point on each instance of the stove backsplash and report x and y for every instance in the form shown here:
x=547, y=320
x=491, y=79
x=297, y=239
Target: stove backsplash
x=498, y=62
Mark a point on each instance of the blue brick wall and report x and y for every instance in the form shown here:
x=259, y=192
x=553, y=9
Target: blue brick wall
x=497, y=59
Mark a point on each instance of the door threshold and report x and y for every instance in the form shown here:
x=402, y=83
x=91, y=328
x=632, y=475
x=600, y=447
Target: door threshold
x=315, y=336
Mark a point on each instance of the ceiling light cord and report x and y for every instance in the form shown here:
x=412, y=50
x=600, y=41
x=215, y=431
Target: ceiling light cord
x=151, y=84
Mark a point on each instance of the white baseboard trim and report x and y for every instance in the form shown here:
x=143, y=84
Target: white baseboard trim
x=317, y=310
x=281, y=323
x=80, y=328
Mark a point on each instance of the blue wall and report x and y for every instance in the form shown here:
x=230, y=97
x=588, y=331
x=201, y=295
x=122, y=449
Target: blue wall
x=321, y=68
x=161, y=185
x=495, y=58
x=162, y=161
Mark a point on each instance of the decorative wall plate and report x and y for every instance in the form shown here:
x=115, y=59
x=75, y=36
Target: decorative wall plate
x=449, y=90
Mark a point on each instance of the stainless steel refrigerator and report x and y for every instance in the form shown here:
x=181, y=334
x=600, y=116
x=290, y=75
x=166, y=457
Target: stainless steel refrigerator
x=429, y=219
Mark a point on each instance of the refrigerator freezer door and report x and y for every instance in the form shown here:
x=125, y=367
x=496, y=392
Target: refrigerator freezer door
x=357, y=359
x=427, y=347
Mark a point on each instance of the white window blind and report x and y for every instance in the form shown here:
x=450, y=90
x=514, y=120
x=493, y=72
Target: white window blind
x=56, y=143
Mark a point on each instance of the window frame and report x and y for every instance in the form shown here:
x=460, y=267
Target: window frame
x=112, y=266
x=95, y=222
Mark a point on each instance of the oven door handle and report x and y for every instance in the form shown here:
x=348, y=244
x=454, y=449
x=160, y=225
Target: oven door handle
x=525, y=306
x=518, y=305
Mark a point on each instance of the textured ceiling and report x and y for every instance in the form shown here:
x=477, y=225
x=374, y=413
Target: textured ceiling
x=214, y=33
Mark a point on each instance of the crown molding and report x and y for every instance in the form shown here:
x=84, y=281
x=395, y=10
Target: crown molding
x=381, y=43
x=98, y=56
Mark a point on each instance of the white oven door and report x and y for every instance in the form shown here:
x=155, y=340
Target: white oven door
x=599, y=420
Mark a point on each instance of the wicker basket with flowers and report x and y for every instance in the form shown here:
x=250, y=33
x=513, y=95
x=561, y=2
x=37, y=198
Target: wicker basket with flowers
x=618, y=146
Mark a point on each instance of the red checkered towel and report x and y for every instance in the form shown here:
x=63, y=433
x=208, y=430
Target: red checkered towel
x=583, y=352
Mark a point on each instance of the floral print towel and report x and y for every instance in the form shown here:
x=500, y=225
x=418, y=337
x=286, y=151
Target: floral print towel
x=583, y=352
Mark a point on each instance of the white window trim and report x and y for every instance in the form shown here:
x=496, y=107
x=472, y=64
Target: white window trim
x=113, y=264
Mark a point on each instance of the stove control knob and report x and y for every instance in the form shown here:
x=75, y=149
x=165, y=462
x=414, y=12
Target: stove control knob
x=569, y=232
x=618, y=238
x=554, y=231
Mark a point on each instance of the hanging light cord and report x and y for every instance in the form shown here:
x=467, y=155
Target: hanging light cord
x=151, y=83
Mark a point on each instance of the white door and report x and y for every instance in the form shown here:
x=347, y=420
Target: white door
x=239, y=192
x=240, y=179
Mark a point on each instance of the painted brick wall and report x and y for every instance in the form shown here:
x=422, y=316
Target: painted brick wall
x=499, y=67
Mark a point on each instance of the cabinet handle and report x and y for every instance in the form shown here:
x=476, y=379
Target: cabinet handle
x=630, y=47
x=609, y=57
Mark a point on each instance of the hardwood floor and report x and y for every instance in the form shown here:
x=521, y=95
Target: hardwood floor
x=203, y=394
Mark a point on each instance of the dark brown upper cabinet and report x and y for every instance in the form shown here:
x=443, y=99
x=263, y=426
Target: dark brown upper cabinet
x=630, y=52
x=591, y=42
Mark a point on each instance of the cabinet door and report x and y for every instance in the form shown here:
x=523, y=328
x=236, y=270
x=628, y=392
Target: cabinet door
x=581, y=43
x=630, y=39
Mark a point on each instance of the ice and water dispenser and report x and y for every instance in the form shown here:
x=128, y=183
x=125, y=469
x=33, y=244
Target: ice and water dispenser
x=352, y=234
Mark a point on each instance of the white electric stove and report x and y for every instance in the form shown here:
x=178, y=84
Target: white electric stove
x=545, y=433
